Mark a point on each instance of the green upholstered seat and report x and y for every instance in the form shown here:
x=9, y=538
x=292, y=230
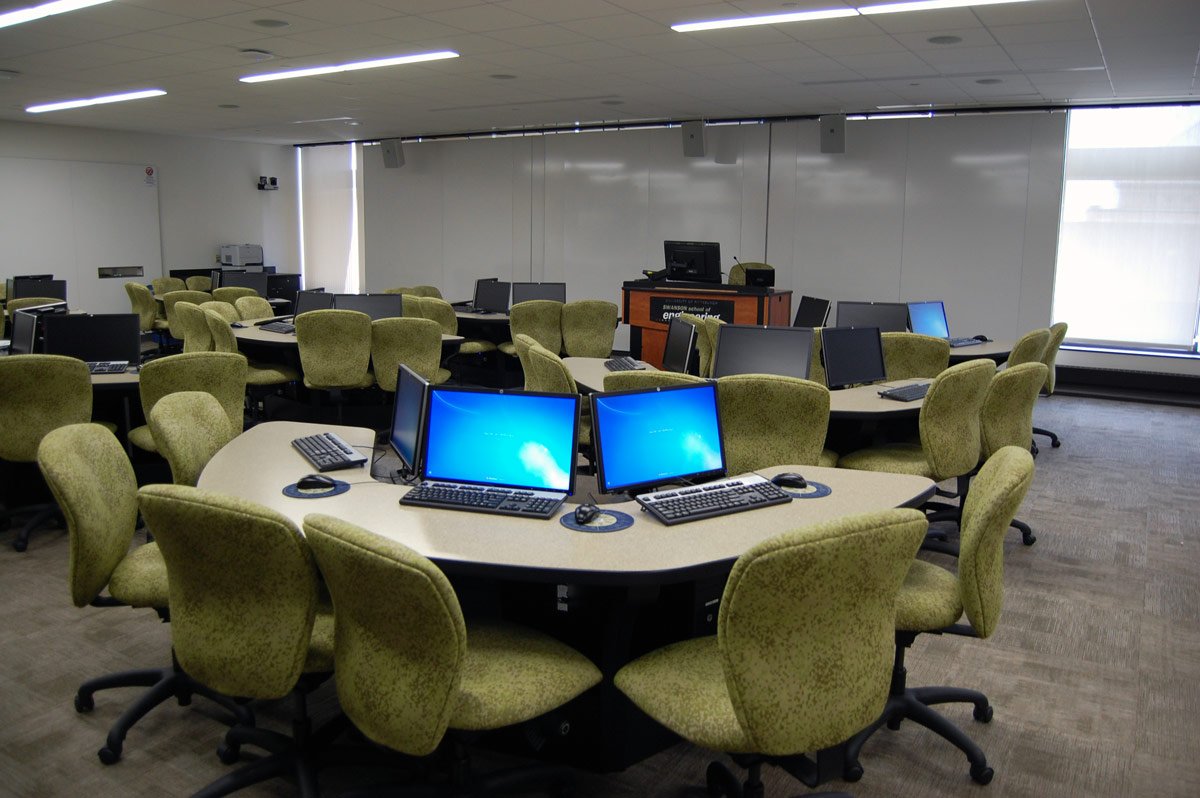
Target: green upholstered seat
x=1006, y=418
x=638, y=380
x=223, y=374
x=540, y=319
x=521, y=344
x=397, y=289
x=232, y=293
x=547, y=373
x=768, y=419
x=253, y=307
x=707, y=330
x=1058, y=333
x=801, y=658
x=932, y=599
x=588, y=327
x=406, y=675
x=190, y=321
x=169, y=299
x=261, y=376
x=1030, y=347
x=141, y=302
x=424, y=290
x=417, y=343
x=165, y=285
x=224, y=309
x=816, y=366
x=335, y=348
x=410, y=306
x=443, y=313
x=189, y=427
x=907, y=355
x=243, y=588
x=737, y=275
x=198, y=282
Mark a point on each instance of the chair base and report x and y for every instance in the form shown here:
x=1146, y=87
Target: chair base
x=1054, y=441
x=41, y=514
x=720, y=781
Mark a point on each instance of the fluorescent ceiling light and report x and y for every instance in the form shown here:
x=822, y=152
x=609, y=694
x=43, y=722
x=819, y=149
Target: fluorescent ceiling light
x=112, y=98
x=326, y=70
x=832, y=13
x=926, y=5
x=45, y=10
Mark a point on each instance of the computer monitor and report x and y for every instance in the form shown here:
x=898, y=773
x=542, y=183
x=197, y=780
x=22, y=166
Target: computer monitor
x=852, y=355
x=103, y=336
x=658, y=436
x=492, y=296
x=475, y=296
x=698, y=261
x=512, y=439
x=33, y=276
x=283, y=286
x=23, y=332
x=928, y=318
x=22, y=287
x=887, y=316
x=312, y=300
x=754, y=349
x=681, y=344
x=407, y=414
x=377, y=306
x=214, y=277
x=813, y=312
x=255, y=280
x=524, y=292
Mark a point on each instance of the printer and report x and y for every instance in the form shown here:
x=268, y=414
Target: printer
x=241, y=254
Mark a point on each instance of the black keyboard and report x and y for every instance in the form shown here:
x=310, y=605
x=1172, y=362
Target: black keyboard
x=272, y=320
x=279, y=327
x=483, y=499
x=906, y=393
x=108, y=367
x=722, y=497
x=623, y=363
x=957, y=342
x=328, y=452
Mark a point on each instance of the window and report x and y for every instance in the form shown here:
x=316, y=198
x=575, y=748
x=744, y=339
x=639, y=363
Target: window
x=1128, y=270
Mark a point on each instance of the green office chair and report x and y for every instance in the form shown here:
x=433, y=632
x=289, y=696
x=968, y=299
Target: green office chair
x=253, y=307
x=588, y=327
x=424, y=291
x=263, y=378
x=189, y=427
x=93, y=481
x=190, y=321
x=13, y=305
x=198, y=282
x=223, y=374
x=407, y=675
x=232, y=293
x=141, y=301
x=933, y=599
x=443, y=313
x=1006, y=418
x=547, y=373
x=1058, y=333
x=1029, y=348
x=768, y=419
x=417, y=343
x=737, y=275
x=800, y=659
x=521, y=344
x=244, y=618
x=640, y=380
x=399, y=289
x=707, y=330
x=335, y=353
x=907, y=355
x=224, y=309
x=410, y=306
x=540, y=319
x=165, y=285
x=169, y=299
x=816, y=365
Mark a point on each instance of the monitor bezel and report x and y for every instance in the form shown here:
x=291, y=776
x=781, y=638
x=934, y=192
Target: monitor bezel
x=711, y=250
x=295, y=307
x=495, y=308
x=395, y=299
x=478, y=280
x=94, y=339
x=408, y=469
x=690, y=331
x=807, y=302
x=894, y=306
x=824, y=362
x=776, y=330
x=538, y=289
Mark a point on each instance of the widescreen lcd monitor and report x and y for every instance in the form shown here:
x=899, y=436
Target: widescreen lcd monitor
x=887, y=316
x=377, y=306
x=92, y=338
x=696, y=261
x=492, y=296
x=412, y=392
x=512, y=439
x=813, y=312
x=524, y=292
x=659, y=436
x=256, y=280
x=754, y=349
x=24, y=333
x=475, y=296
x=852, y=355
x=24, y=287
x=928, y=318
x=679, y=348
x=312, y=300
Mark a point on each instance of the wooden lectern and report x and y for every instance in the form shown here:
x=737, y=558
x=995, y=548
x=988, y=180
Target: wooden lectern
x=649, y=306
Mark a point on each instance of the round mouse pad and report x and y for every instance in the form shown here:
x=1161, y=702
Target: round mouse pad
x=815, y=490
x=296, y=493
x=605, y=521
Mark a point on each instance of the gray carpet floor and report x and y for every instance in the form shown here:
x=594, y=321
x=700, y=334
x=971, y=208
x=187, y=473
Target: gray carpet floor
x=1093, y=671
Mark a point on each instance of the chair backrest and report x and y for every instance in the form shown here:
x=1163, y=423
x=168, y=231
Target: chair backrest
x=768, y=419
x=949, y=419
x=417, y=343
x=1006, y=416
x=439, y=310
x=243, y=589
x=190, y=320
x=398, y=289
x=737, y=275
x=541, y=320
x=223, y=374
x=198, y=282
x=399, y=658
x=220, y=333
x=335, y=346
x=14, y=305
x=189, y=427
x=712, y=326
x=232, y=293
x=410, y=306
x=141, y=301
x=996, y=494
x=170, y=298
x=588, y=327
x=39, y=393
x=253, y=307
x=1058, y=333
x=816, y=366
x=226, y=310
x=806, y=628
x=1030, y=347
x=907, y=355
x=637, y=380
x=425, y=290
x=165, y=285
x=706, y=345
x=547, y=372
x=93, y=482
x=522, y=343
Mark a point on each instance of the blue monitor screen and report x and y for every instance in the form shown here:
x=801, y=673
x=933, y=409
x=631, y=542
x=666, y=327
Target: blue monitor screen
x=489, y=437
x=645, y=439
x=407, y=413
x=928, y=318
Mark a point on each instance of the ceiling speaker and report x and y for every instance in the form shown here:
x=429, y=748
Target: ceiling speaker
x=693, y=139
x=833, y=133
x=393, y=153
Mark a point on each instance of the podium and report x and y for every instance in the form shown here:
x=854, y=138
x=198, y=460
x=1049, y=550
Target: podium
x=649, y=305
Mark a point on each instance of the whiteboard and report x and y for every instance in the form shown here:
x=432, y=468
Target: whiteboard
x=71, y=218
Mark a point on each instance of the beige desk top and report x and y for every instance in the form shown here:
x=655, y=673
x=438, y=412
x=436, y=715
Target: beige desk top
x=589, y=371
x=258, y=464
x=864, y=401
x=475, y=316
x=129, y=378
x=260, y=336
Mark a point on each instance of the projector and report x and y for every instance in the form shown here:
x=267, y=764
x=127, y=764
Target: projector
x=241, y=254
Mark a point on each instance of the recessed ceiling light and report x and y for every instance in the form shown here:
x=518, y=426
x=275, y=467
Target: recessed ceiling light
x=272, y=23
x=927, y=5
x=112, y=98
x=989, y=81
x=9, y=74
x=229, y=105
x=944, y=39
x=502, y=77
x=354, y=65
x=832, y=13
x=45, y=10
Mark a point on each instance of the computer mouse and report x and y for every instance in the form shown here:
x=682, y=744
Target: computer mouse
x=315, y=482
x=789, y=480
x=586, y=513
x=237, y=324
x=982, y=338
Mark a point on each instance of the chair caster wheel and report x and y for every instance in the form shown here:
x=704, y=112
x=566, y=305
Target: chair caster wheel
x=983, y=714
x=1028, y=539
x=852, y=772
x=19, y=545
x=1054, y=444
x=109, y=756
x=228, y=753
x=982, y=774
x=720, y=782
x=84, y=703
x=894, y=724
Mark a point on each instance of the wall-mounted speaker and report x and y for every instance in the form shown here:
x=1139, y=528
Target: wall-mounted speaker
x=393, y=153
x=693, y=139
x=833, y=133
